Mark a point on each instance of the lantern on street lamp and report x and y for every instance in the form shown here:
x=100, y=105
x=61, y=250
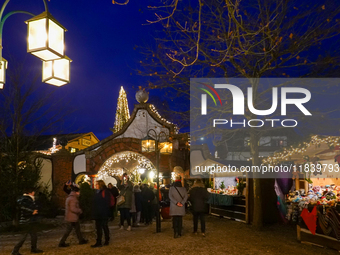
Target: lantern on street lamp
x=166, y=148
x=148, y=144
x=3, y=68
x=45, y=37
x=56, y=72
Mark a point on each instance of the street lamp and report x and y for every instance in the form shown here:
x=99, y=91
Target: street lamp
x=161, y=145
x=56, y=72
x=45, y=37
x=45, y=40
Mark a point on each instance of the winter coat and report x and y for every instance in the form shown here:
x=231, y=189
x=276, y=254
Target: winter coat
x=198, y=198
x=175, y=197
x=126, y=191
x=72, y=209
x=138, y=201
x=155, y=200
x=27, y=207
x=133, y=204
x=147, y=195
x=101, y=205
x=114, y=191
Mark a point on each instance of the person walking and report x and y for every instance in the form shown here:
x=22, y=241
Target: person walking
x=178, y=197
x=198, y=196
x=126, y=190
x=72, y=212
x=101, y=212
x=29, y=217
x=114, y=191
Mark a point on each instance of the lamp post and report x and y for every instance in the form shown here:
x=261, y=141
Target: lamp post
x=46, y=41
x=161, y=145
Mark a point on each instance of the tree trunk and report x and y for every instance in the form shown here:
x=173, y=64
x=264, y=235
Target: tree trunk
x=258, y=211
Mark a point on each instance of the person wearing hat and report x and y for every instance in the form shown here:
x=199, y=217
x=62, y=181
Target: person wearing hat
x=72, y=212
x=178, y=197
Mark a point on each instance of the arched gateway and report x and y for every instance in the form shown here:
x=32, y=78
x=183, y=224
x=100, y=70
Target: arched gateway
x=127, y=140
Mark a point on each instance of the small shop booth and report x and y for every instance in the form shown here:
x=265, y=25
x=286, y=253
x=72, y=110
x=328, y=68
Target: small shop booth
x=229, y=189
x=313, y=200
x=228, y=199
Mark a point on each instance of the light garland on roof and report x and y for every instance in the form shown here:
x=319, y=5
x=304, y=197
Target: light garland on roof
x=153, y=109
x=53, y=149
x=285, y=155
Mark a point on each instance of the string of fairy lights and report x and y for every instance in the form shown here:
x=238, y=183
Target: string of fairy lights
x=154, y=110
x=108, y=168
x=285, y=155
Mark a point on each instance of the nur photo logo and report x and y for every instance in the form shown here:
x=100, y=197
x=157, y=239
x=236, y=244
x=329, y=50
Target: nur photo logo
x=288, y=96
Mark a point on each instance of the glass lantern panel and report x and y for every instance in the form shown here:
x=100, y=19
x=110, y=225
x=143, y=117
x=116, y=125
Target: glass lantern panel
x=47, y=70
x=166, y=148
x=56, y=82
x=62, y=69
x=3, y=73
x=37, y=34
x=55, y=37
x=45, y=55
x=148, y=145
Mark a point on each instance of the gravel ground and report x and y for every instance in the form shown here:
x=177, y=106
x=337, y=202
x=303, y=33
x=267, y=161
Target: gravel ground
x=222, y=237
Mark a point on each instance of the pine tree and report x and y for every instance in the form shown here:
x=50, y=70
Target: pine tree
x=122, y=113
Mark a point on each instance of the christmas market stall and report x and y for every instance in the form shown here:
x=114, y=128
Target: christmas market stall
x=228, y=196
x=227, y=185
x=312, y=202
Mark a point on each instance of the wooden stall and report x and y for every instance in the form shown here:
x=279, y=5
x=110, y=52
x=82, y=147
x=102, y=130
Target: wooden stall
x=232, y=206
x=313, y=205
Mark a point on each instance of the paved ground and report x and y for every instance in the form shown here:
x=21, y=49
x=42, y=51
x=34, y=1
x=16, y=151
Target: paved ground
x=222, y=237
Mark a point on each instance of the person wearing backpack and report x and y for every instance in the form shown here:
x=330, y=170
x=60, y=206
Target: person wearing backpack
x=178, y=197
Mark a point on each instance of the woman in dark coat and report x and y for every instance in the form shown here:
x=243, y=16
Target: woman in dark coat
x=178, y=197
x=101, y=212
x=198, y=196
x=147, y=197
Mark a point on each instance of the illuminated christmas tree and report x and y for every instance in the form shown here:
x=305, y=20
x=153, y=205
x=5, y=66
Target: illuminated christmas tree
x=122, y=113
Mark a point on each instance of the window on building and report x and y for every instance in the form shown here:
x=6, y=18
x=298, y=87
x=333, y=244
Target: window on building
x=73, y=150
x=279, y=141
x=246, y=142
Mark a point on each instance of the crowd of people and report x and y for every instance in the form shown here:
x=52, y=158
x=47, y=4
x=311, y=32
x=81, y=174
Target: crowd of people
x=137, y=205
